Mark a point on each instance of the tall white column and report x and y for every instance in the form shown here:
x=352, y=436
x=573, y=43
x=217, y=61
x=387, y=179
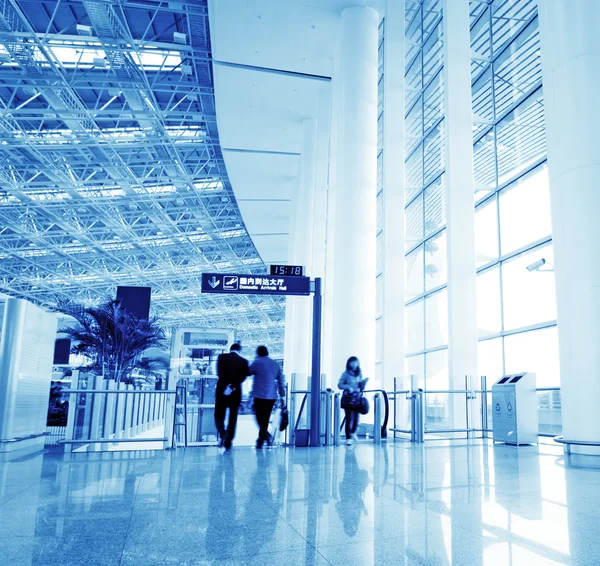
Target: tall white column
x=290, y=327
x=303, y=210
x=571, y=77
x=355, y=215
x=320, y=208
x=393, y=194
x=332, y=173
x=460, y=212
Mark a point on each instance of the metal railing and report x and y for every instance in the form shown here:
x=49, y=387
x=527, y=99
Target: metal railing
x=475, y=400
x=108, y=415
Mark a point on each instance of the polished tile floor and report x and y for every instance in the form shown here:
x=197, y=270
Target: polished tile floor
x=399, y=504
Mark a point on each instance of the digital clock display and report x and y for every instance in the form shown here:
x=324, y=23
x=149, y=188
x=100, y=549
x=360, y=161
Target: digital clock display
x=287, y=270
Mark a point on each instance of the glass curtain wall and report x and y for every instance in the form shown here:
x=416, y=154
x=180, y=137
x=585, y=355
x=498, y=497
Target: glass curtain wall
x=426, y=277
x=515, y=282
x=380, y=258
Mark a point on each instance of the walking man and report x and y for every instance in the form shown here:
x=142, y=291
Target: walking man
x=232, y=370
x=268, y=382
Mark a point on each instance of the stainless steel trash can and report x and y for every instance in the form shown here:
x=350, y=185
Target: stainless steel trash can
x=514, y=409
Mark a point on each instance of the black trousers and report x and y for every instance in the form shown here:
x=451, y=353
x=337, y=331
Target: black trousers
x=263, y=409
x=351, y=422
x=222, y=403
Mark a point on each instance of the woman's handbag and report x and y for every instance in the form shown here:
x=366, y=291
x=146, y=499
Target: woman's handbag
x=351, y=401
x=363, y=409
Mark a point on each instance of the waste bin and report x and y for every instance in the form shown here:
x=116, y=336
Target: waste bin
x=301, y=436
x=514, y=409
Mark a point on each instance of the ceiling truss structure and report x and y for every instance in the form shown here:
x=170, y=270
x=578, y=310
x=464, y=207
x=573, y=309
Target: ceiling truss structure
x=111, y=171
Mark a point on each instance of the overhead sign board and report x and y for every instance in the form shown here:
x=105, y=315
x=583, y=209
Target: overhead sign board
x=254, y=284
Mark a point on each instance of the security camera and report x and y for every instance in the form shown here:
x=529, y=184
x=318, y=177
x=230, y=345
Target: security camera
x=535, y=266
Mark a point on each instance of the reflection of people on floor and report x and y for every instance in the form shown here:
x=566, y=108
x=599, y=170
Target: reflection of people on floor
x=264, y=502
x=223, y=529
x=352, y=488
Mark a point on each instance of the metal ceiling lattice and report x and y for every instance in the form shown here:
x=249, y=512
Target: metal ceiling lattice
x=111, y=171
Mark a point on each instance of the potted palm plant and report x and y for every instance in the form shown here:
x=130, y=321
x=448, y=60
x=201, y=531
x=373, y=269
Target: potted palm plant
x=113, y=340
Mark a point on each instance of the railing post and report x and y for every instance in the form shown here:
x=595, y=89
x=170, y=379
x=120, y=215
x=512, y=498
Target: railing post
x=97, y=426
x=328, y=415
x=292, y=412
x=484, y=407
x=377, y=419
x=337, y=421
x=417, y=432
x=468, y=418
x=395, y=405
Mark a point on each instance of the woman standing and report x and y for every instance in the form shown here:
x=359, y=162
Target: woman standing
x=268, y=382
x=352, y=381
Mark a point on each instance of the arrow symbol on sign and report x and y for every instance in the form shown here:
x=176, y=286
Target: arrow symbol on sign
x=214, y=282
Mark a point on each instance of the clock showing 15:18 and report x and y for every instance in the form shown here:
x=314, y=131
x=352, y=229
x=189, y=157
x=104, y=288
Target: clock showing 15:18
x=287, y=270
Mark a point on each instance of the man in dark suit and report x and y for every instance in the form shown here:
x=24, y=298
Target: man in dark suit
x=232, y=370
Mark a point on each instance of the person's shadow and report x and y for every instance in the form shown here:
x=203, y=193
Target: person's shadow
x=223, y=529
x=351, y=506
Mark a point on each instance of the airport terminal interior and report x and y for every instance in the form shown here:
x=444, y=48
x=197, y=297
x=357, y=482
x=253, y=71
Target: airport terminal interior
x=306, y=282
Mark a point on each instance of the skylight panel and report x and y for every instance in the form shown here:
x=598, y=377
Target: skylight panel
x=209, y=185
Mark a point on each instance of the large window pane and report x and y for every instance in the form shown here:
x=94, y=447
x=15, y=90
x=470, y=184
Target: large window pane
x=436, y=261
x=521, y=138
x=525, y=211
x=484, y=165
x=436, y=320
x=486, y=232
x=489, y=319
x=434, y=153
x=414, y=77
x=414, y=366
x=433, y=106
x=379, y=340
x=437, y=409
x=433, y=54
x=414, y=273
x=489, y=360
x=414, y=173
x=481, y=93
x=517, y=69
x=537, y=352
x=413, y=228
x=529, y=290
x=435, y=207
x=413, y=127
x=414, y=330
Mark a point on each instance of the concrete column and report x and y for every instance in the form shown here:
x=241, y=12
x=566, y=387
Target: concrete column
x=303, y=209
x=332, y=173
x=290, y=326
x=355, y=215
x=571, y=71
x=393, y=194
x=460, y=212
x=320, y=204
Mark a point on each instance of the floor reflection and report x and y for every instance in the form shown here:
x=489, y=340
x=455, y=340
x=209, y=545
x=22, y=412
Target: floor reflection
x=436, y=504
x=350, y=505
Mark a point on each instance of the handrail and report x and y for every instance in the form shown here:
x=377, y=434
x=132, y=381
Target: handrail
x=387, y=409
x=123, y=391
x=568, y=443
